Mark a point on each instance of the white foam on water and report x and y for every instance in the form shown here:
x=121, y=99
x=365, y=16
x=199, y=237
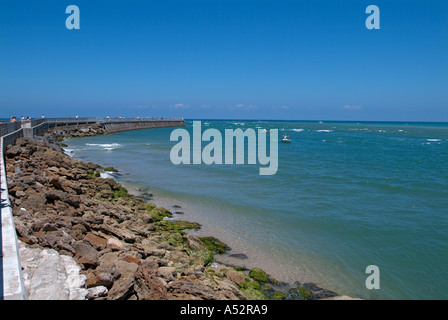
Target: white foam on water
x=434, y=140
x=298, y=130
x=324, y=130
x=106, y=175
x=68, y=152
x=104, y=146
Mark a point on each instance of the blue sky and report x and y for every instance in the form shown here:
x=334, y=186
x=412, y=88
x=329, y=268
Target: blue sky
x=298, y=60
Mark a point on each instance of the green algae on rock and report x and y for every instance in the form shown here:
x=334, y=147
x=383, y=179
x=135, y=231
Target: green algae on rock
x=214, y=244
x=258, y=274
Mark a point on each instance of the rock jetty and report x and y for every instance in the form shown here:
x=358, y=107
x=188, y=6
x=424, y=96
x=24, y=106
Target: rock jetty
x=124, y=247
x=120, y=242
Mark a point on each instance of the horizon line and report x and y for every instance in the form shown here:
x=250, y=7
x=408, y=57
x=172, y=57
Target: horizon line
x=255, y=119
x=319, y=120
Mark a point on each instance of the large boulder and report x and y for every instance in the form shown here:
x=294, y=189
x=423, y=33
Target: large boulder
x=122, y=289
x=86, y=254
x=167, y=273
x=103, y=276
x=97, y=242
x=148, y=286
x=236, y=276
x=194, y=243
x=193, y=288
x=13, y=151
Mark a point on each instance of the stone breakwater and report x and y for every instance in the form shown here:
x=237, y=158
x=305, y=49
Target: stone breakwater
x=80, y=131
x=122, y=244
x=125, y=247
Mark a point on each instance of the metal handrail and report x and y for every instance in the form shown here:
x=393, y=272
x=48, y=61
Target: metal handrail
x=6, y=128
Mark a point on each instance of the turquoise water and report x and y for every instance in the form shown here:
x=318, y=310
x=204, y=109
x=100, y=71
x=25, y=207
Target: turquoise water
x=346, y=195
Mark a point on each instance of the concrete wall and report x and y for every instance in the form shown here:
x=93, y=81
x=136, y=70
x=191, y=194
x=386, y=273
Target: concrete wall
x=40, y=129
x=135, y=125
x=11, y=282
x=11, y=139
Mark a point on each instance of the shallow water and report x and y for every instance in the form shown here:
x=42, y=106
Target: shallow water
x=346, y=195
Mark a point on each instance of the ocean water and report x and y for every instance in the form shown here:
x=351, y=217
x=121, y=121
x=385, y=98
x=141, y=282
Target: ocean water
x=346, y=195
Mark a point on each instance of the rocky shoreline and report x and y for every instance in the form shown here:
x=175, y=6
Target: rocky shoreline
x=125, y=247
